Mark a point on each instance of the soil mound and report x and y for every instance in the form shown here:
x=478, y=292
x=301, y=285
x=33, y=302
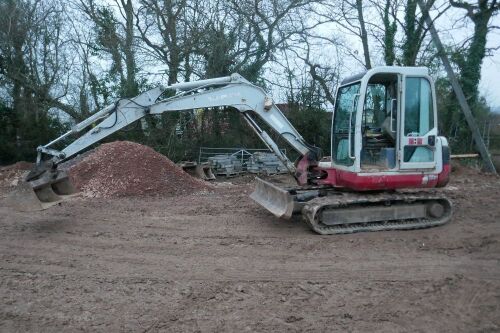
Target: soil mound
x=124, y=168
x=18, y=166
x=11, y=175
x=13, y=170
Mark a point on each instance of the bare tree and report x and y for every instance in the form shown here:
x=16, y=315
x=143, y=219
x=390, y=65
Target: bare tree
x=35, y=70
x=161, y=27
x=33, y=59
x=266, y=26
x=350, y=16
x=363, y=34
x=385, y=33
x=116, y=37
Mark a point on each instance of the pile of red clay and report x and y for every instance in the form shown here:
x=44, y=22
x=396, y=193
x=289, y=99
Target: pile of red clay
x=124, y=168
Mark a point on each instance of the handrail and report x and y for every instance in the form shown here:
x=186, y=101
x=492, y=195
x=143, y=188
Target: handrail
x=349, y=141
x=392, y=107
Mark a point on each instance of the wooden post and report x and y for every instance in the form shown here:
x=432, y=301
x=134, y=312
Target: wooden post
x=478, y=140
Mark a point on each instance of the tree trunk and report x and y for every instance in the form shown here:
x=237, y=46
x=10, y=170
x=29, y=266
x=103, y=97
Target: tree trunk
x=390, y=30
x=364, y=35
x=471, y=70
x=131, y=88
x=410, y=46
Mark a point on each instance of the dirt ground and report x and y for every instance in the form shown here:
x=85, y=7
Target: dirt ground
x=216, y=262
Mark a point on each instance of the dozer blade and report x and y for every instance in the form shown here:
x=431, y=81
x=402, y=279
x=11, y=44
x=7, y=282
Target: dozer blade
x=276, y=200
x=41, y=193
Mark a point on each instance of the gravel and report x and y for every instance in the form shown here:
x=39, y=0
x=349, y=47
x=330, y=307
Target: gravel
x=124, y=168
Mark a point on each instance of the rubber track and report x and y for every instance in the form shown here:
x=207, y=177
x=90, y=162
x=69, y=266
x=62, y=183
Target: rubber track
x=314, y=207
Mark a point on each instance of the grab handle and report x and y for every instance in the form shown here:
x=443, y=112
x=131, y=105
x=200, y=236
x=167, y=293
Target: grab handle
x=394, y=105
x=349, y=141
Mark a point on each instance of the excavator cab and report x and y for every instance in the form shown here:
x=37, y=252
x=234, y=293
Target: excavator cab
x=384, y=141
x=385, y=125
x=378, y=113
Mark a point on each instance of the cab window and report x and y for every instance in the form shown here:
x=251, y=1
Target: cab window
x=344, y=123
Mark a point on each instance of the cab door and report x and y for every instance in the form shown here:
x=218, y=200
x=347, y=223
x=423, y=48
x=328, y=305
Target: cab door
x=418, y=125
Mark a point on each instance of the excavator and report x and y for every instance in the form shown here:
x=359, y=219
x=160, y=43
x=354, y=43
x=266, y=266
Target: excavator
x=387, y=158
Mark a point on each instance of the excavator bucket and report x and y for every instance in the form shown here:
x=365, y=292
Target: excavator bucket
x=275, y=199
x=202, y=171
x=41, y=193
x=205, y=172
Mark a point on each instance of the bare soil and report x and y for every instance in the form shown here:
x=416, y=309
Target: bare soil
x=215, y=261
x=11, y=175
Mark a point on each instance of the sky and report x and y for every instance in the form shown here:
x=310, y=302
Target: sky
x=490, y=72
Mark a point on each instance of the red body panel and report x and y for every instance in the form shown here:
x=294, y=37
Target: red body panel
x=302, y=166
x=367, y=182
x=444, y=176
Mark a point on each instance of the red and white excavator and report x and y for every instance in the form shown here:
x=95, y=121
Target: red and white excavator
x=384, y=146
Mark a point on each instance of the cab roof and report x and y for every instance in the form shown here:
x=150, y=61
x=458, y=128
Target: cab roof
x=416, y=71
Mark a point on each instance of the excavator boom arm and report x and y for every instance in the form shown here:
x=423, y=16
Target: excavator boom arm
x=46, y=185
x=233, y=91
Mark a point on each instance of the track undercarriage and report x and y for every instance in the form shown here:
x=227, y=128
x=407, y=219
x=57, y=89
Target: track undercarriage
x=328, y=211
